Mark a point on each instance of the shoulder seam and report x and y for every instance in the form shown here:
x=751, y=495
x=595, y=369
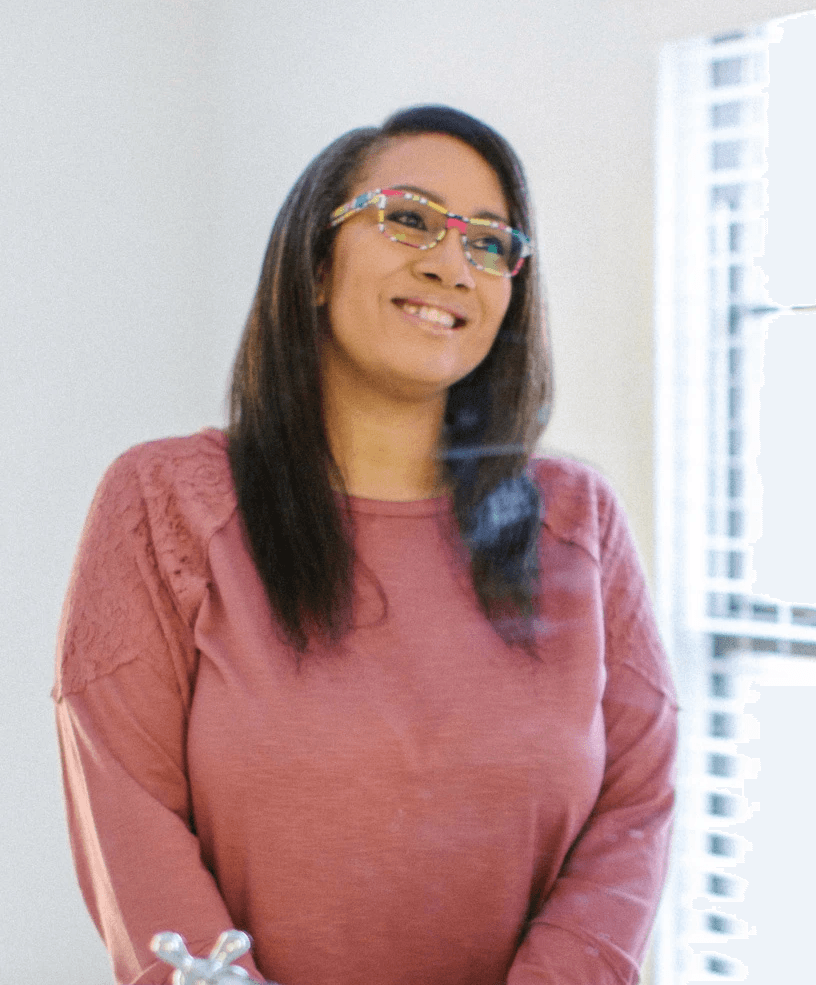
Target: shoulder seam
x=668, y=695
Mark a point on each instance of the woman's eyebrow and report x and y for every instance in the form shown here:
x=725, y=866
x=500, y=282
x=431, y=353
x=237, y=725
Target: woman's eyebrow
x=439, y=199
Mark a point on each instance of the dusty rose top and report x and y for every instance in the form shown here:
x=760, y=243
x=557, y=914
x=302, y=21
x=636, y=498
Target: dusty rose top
x=424, y=805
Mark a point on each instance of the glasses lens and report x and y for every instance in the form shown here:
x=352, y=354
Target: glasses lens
x=412, y=222
x=418, y=224
x=496, y=250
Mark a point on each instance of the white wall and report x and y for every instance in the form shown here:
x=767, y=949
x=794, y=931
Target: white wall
x=145, y=148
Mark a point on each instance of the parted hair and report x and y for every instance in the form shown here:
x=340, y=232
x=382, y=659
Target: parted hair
x=298, y=529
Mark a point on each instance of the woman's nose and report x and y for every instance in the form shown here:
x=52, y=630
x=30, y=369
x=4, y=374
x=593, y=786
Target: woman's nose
x=447, y=262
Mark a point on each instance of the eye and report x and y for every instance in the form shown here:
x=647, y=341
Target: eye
x=409, y=218
x=490, y=244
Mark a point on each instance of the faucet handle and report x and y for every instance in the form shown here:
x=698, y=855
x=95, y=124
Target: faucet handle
x=214, y=970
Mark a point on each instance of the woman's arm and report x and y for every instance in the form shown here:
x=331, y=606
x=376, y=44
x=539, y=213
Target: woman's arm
x=593, y=928
x=125, y=675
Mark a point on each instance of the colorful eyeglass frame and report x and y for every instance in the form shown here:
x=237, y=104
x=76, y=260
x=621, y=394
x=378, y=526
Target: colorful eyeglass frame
x=521, y=249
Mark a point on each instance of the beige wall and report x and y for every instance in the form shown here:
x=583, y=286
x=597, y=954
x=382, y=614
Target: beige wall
x=146, y=148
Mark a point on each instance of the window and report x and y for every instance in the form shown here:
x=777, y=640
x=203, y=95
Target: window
x=721, y=805
x=722, y=845
x=726, y=154
x=719, y=924
x=803, y=616
x=726, y=115
x=713, y=314
x=768, y=613
x=719, y=764
x=726, y=72
x=722, y=725
x=718, y=965
x=719, y=885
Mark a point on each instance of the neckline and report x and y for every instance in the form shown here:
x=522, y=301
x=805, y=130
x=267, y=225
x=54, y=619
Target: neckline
x=376, y=507
x=396, y=507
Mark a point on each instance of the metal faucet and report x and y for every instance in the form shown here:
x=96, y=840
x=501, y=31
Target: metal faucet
x=214, y=970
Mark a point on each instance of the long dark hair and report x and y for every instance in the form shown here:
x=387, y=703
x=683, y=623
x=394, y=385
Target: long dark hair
x=297, y=528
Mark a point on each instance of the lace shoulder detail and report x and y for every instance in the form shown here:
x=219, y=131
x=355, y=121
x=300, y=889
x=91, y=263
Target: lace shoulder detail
x=187, y=488
x=141, y=567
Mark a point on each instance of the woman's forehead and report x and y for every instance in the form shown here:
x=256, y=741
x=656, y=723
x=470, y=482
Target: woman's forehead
x=448, y=170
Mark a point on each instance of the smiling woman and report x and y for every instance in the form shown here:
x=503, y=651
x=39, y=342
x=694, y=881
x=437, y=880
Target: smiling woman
x=339, y=388
x=359, y=677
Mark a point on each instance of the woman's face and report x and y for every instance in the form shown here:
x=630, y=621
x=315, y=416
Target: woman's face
x=407, y=322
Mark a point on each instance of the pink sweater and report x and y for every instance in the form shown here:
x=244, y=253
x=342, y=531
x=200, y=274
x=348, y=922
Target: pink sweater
x=424, y=805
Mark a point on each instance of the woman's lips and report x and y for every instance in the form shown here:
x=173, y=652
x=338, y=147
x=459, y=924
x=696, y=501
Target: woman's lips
x=443, y=317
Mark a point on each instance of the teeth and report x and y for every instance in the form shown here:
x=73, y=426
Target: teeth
x=427, y=313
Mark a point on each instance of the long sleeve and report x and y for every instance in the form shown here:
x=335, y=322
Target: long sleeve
x=593, y=927
x=125, y=672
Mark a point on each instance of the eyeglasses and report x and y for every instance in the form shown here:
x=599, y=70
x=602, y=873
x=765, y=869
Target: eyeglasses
x=413, y=220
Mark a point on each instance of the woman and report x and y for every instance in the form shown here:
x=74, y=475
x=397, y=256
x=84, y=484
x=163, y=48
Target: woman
x=358, y=677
